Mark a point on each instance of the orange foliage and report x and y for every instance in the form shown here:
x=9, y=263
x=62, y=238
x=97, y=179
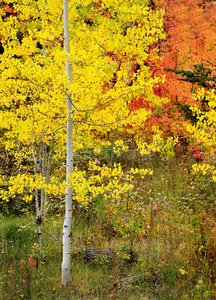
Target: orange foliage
x=191, y=32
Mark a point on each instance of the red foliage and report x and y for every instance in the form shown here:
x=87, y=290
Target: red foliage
x=31, y=261
x=191, y=31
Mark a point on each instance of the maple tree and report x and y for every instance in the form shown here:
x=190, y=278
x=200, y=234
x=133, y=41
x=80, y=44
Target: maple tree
x=188, y=52
x=189, y=42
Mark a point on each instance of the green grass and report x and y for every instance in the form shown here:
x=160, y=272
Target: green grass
x=168, y=253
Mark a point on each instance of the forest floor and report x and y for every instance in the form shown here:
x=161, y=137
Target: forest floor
x=169, y=252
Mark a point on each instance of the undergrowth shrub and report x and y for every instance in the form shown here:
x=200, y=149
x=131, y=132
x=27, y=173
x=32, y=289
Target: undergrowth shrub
x=154, y=242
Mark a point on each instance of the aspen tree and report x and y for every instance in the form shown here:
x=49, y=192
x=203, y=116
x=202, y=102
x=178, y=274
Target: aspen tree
x=103, y=40
x=38, y=213
x=69, y=165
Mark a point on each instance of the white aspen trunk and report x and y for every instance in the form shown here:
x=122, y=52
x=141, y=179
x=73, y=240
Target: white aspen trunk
x=44, y=146
x=69, y=165
x=48, y=170
x=38, y=222
x=37, y=207
x=44, y=45
x=43, y=172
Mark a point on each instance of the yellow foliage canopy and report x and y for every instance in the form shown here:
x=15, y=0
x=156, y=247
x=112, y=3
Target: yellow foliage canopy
x=33, y=84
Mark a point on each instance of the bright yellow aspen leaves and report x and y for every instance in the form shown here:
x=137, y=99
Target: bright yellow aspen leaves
x=204, y=132
x=107, y=38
